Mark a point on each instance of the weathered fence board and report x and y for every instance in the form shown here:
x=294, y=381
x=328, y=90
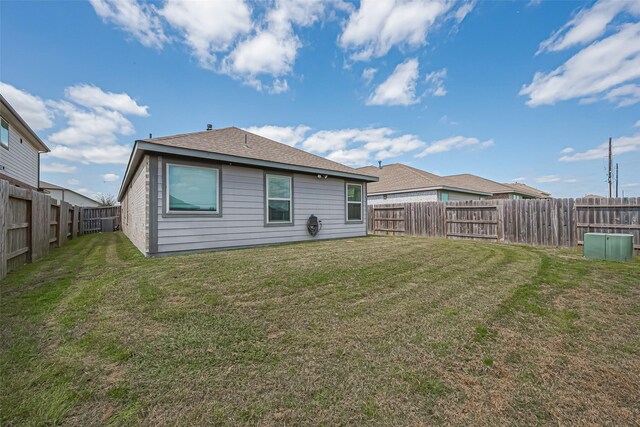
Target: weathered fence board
x=91, y=221
x=32, y=224
x=540, y=222
x=388, y=220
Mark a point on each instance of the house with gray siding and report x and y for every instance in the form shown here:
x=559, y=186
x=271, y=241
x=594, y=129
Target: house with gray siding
x=229, y=188
x=399, y=183
x=62, y=194
x=20, y=149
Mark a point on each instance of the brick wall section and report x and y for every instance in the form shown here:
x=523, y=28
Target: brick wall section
x=135, y=208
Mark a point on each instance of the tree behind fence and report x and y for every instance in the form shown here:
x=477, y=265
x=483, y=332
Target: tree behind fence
x=541, y=222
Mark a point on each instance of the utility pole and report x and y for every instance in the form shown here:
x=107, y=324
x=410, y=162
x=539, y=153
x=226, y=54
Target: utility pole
x=609, y=178
x=616, y=179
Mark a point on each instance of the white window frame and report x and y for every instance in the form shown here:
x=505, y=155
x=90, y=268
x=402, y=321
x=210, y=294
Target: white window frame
x=2, y=144
x=267, y=199
x=168, y=191
x=346, y=198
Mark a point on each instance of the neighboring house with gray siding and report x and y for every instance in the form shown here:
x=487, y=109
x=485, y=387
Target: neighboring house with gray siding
x=20, y=149
x=400, y=183
x=62, y=194
x=228, y=188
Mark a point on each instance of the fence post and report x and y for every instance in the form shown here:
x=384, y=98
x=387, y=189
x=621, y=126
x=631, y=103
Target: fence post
x=4, y=206
x=76, y=218
x=39, y=226
x=81, y=221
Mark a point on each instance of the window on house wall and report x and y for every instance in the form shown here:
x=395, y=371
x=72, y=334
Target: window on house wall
x=444, y=196
x=4, y=134
x=192, y=189
x=279, y=199
x=354, y=202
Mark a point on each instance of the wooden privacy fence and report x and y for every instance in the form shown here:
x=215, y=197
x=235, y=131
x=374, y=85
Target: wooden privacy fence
x=91, y=221
x=32, y=224
x=541, y=222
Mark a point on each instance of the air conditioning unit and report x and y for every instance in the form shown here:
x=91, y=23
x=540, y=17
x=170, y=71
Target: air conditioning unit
x=107, y=225
x=612, y=247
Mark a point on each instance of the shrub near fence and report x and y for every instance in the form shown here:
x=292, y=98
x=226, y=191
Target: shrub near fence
x=32, y=224
x=541, y=222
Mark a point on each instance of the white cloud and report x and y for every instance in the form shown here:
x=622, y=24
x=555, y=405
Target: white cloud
x=138, y=19
x=93, y=97
x=89, y=193
x=368, y=74
x=110, y=177
x=400, y=86
x=95, y=121
x=547, y=179
x=355, y=157
x=621, y=145
x=57, y=168
x=624, y=96
x=85, y=127
x=435, y=81
x=73, y=181
x=31, y=108
x=208, y=27
x=588, y=24
x=354, y=147
x=631, y=184
x=377, y=26
x=464, y=10
x=112, y=153
x=602, y=70
x=445, y=120
x=454, y=143
x=273, y=49
x=358, y=147
x=290, y=135
x=567, y=150
x=637, y=124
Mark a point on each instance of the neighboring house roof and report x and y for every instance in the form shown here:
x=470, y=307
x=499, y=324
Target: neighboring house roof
x=48, y=186
x=593, y=196
x=484, y=184
x=524, y=187
x=399, y=178
x=41, y=146
x=238, y=146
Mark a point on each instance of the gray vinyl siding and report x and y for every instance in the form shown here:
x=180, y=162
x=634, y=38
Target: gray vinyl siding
x=135, y=208
x=20, y=161
x=409, y=197
x=243, y=217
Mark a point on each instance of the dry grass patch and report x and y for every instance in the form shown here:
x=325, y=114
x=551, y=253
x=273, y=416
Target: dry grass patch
x=377, y=330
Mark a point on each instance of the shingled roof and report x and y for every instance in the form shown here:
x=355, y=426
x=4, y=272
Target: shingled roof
x=524, y=187
x=483, y=184
x=397, y=177
x=238, y=146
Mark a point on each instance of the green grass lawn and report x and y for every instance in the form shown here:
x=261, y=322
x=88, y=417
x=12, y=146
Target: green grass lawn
x=381, y=331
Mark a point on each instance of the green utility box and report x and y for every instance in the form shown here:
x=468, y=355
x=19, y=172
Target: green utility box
x=613, y=247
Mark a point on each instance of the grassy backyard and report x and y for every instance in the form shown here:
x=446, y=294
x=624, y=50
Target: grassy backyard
x=402, y=331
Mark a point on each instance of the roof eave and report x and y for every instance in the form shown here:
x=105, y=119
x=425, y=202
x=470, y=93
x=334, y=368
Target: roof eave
x=146, y=146
x=42, y=146
x=432, y=188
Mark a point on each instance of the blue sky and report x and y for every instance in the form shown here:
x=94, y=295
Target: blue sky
x=526, y=91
